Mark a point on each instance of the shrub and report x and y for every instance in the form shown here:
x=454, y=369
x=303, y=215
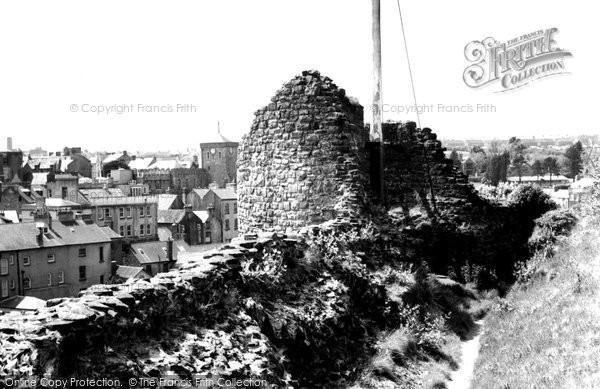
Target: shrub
x=531, y=200
x=549, y=227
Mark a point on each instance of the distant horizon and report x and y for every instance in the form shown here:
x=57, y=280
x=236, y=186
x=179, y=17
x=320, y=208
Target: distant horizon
x=162, y=77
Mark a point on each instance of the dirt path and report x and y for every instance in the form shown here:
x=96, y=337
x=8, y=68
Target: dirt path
x=461, y=378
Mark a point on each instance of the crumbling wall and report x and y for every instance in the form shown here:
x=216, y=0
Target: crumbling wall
x=231, y=313
x=304, y=159
x=417, y=173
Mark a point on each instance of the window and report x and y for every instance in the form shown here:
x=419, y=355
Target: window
x=219, y=155
x=128, y=211
x=181, y=229
x=100, y=214
x=226, y=225
x=207, y=237
x=141, y=229
x=49, y=277
x=4, y=288
x=51, y=258
x=148, y=211
x=65, y=192
x=12, y=284
x=26, y=261
x=226, y=208
x=234, y=207
x=82, y=276
x=141, y=211
x=121, y=212
x=128, y=230
x=61, y=277
x=148, y=231
x=121, y=230
x=106, y=213
x=101, y=254
x=82, y=252
x=235, y=224
x=11, y=259
x=3, y=266
x=27, y=283
x=207, y=226
x=49, y=192
x=102, y=279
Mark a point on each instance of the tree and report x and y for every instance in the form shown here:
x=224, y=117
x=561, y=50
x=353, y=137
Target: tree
x=551, y=166
x=538, y=168
x=480, y=158
x=574, y=159
x=455, y=158
x=498, y=168
x=516, y=148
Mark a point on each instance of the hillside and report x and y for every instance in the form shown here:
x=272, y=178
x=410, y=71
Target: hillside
x=546, y=333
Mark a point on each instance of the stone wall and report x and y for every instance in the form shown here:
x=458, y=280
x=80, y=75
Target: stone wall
x=304, y=159
x=182, y=323
x=417, y=173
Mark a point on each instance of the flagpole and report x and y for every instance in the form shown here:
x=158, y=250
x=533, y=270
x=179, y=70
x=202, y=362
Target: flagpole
x=376, y=134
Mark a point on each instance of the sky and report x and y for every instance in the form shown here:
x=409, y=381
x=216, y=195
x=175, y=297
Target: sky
x=62, y=62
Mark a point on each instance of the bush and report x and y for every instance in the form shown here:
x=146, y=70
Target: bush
x=531, y=200
x=550, y=226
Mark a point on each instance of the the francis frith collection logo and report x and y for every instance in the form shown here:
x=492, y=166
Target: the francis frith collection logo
x=514, y=63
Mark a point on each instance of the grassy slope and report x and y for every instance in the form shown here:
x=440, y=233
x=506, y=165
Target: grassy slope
x=546, y=334
x=407, y=360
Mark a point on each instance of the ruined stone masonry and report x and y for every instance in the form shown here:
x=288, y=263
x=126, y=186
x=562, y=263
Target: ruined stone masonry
x=303, y=160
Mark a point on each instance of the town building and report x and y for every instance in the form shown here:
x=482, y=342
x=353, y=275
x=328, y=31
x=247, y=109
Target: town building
x=52, y=258
x=158, y=180
x=132, y=217
x=10, y=165
x=222, y=202
x=219, y=159
x=153, y=257
x=63, y=186
x=544, y=181
x=193, y=227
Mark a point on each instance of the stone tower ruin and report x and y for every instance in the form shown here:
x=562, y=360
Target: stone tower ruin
x=304, y=159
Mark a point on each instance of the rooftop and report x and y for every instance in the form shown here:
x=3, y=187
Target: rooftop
x=225, y=193
x=151, y=252
x=132, y=272
x=23, y=236
x=170, y=216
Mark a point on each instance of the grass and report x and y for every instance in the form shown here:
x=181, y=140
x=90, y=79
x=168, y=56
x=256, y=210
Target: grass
x=546, y=333
x=422, y=353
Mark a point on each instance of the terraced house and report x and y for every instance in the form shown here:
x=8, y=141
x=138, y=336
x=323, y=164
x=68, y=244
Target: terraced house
x=53, y=258
x=132, y=217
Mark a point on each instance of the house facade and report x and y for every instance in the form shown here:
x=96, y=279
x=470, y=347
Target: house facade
x=63, y=186
x=132, y=217
x=52, y=258
x=222, y=202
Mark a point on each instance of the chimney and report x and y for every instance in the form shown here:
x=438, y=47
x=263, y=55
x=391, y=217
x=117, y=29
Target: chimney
x=40, y=203
x=40, y=233
x=65, y=215
x=213, y=185
x=170, y=249
x=231, y=185
x=187, y=222
x=175, y=231
x=9, y=143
